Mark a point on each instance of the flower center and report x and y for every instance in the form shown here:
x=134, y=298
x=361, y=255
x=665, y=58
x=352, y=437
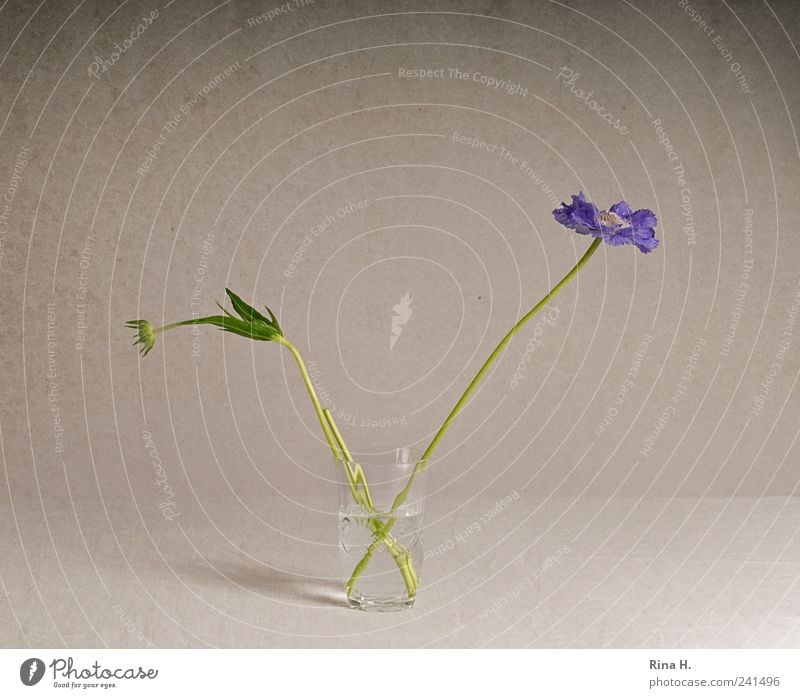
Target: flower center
x=611, y=219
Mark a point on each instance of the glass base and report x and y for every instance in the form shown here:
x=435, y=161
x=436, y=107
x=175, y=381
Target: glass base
x=379, y=604
x=380, y=532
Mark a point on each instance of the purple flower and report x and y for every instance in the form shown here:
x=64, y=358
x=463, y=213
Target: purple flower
x=617, y=226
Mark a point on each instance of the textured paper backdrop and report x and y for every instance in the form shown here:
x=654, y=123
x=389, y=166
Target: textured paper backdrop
x=347, y=163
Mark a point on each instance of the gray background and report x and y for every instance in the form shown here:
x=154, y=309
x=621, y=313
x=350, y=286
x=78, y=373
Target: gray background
x=676, y=532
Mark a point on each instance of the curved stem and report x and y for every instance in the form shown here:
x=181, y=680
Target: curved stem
x=171, y=326
x=329, y=437
x=355, y=478
x=423, y=461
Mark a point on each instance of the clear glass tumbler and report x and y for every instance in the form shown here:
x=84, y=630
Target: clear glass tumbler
x=381, y=505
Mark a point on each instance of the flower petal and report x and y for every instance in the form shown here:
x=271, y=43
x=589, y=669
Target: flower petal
x=629, y=228
x=645, y=240
x=622, y=210
x=622, y=236
x=644, y=218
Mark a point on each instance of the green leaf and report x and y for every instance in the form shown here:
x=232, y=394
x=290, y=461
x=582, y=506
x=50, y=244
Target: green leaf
x=251, y=330
x=246, y=312
x=225, y=310
x=252, y=324
x=274, y=320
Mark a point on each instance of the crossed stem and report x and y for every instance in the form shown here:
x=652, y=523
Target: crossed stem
x=355, y=476
x=358, y=487
x=423, y=461
x=380, y=523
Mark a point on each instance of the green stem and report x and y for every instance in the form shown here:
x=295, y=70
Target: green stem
x=398, y=552
x=329, y=437
x=355, y=476
x=423, y=461
x=172, y=325
x=340, y=452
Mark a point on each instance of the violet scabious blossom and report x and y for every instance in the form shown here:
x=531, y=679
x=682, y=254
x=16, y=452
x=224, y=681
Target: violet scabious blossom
x=616, y=226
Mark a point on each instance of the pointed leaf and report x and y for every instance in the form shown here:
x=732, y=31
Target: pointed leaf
x=251, y=330
x=274, y=320
x=224, y=310
x=247, y=312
